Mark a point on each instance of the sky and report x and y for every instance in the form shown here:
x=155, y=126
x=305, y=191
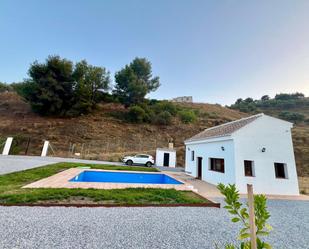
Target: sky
x=214, y=50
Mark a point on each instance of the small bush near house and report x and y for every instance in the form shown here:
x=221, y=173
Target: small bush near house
x=187, y=116
x=241, y=214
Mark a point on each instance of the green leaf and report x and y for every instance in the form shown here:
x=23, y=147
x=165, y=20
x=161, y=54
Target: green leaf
x=230, y=246
x=245, y=245
x=236, y=219
x=267, y=246
x=262, y=233
x=232, y=211
x=244, y=236
x=244, y=230
x=268, y=227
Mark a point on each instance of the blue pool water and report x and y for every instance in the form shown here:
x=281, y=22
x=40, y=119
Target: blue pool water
x=124, y=177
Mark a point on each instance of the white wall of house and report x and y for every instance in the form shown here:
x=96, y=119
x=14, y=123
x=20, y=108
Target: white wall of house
x=275, y=136
x=211, y=149
x=246, y=144
x=160, y=157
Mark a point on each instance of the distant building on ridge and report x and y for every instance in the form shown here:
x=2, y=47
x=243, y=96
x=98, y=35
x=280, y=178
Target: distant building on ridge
x=183, y=99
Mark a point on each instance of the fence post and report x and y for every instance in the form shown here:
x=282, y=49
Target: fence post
x=7, y=146
x=251, y=216
x=45, y=148
x=69, y=151
x=82, y=150
x=27, y=146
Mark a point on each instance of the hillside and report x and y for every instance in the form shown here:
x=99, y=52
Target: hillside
x=102, y=135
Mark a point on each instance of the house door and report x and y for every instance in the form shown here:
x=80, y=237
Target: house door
x=199, y=167
x=166, y=159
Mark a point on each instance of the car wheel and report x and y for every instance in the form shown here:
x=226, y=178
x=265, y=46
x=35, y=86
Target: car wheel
x=148, y=164
x=129, y=162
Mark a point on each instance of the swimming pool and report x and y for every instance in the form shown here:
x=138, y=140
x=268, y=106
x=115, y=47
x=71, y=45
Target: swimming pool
x=124, y=177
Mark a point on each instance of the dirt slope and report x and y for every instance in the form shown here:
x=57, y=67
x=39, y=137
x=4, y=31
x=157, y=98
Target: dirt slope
x=99, y=135
x=102, y=136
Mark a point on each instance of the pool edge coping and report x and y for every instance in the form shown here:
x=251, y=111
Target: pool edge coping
x=62, y=180
x=133, y=172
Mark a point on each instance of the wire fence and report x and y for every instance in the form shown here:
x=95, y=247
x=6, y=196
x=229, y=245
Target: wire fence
x=105, y=149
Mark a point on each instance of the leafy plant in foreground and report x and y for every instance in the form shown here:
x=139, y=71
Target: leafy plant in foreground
x=240, y=214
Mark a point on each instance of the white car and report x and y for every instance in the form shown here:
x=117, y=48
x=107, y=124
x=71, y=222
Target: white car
x=139, y=159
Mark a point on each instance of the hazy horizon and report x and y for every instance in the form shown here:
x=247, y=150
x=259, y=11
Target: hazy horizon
x=215, y=51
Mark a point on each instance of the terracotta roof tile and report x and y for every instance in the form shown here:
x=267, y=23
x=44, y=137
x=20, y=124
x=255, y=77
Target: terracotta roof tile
x=224, y=129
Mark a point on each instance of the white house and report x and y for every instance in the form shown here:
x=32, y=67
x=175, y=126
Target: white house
x=166, y=157
x=257, y=150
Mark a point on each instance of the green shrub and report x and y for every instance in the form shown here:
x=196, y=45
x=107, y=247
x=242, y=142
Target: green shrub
x=281, y=101
x=164, y=106
x=292, y=116
x=187, y=116
x=137, y=114
x=240, y=214
x=23, y=89
x=163, y=118
x=289, y=96
x=5, y=87
x=106, y=97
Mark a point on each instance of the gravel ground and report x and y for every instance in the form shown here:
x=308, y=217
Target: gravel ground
x=181, y=227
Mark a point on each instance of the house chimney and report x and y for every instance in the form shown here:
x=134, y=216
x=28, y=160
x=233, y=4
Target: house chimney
x=170, y=145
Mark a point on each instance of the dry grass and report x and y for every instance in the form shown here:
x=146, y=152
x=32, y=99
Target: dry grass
x=105, y=137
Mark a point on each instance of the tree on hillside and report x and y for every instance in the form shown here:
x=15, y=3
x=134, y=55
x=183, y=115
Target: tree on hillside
x=51, y=86
x=249, y=100
x=298, y=95
x=238, y=101
x=57, y=87
x=265, y=98
x=289, y=96
x=135, y=81
x=90, y=82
